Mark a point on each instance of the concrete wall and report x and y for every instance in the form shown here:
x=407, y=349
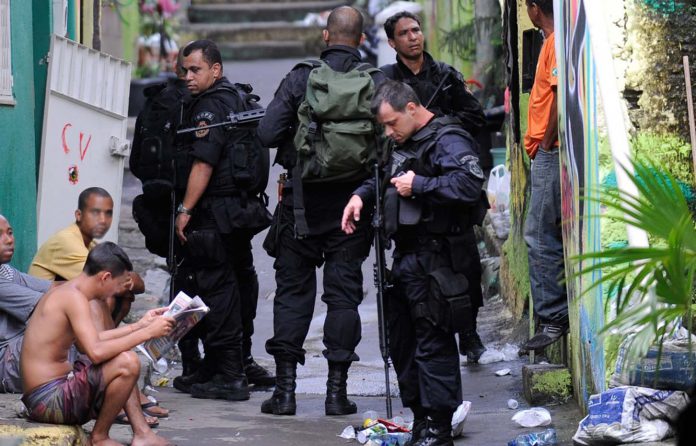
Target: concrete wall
x=514, y=272
x=18, y=148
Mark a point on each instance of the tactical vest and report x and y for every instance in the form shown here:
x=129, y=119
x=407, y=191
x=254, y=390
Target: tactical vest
x=413, y=216
x=244, y=165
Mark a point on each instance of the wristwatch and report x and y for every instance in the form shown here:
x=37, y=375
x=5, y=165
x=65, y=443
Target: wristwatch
x=182, y=210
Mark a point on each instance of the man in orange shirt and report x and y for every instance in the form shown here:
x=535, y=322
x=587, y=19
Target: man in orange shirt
x=543, y=226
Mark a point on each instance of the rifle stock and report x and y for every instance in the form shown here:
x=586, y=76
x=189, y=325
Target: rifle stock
x=381, y=285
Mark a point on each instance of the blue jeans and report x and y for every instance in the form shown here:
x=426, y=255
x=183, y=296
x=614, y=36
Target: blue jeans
x=542, y=233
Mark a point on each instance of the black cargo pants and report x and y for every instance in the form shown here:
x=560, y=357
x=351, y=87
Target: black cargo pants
x=296, y=263
x=424, y=351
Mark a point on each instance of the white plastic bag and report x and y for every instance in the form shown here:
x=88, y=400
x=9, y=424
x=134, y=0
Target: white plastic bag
x=498, y=191
x=534, y=417
x=630, y=415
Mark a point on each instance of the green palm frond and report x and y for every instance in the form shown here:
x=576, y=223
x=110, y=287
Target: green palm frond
x=653, y=286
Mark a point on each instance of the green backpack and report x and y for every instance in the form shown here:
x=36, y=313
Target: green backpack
x=336, y=137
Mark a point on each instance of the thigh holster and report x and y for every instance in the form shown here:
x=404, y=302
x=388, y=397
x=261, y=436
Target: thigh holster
x=448, y=305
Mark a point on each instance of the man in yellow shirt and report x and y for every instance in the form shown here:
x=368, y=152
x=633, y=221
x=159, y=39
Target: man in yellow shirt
x=63, y=255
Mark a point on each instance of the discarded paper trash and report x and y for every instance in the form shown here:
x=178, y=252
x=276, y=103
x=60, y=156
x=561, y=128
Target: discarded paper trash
x=536, y=416
x=502, y=372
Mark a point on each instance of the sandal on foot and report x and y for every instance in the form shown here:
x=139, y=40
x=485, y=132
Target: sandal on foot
x=147, y=406
x=122, y=418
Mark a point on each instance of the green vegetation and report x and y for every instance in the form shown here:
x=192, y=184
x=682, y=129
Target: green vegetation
x=652, y=286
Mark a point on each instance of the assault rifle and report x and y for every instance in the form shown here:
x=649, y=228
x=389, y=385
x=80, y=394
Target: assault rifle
x=234, y=120
x=381, y=285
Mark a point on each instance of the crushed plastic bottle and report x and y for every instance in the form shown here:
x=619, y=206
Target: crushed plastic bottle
x=389, y=439
x=545, y=438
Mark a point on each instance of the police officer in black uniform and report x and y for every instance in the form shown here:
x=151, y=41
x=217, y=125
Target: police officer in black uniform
x=217, y=253
x=418, y=69
x=297, y=258
x=433, y=195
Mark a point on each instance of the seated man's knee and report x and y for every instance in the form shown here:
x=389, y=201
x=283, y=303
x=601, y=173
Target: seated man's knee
x=129, y=363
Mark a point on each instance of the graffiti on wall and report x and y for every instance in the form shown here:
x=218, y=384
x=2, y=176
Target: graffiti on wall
x=577, y=105
x=664, y=6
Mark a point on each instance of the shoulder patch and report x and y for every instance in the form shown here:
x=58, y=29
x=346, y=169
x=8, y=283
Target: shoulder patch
x=203, y=119
x=470, y=163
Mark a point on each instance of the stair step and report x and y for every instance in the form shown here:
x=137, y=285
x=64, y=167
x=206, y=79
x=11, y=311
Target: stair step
x=256, y=12
x=218, y=2
x=265, y=50
x=252, y=32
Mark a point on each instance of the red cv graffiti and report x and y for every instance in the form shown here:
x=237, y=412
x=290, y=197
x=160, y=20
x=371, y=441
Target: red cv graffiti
x=83, y=149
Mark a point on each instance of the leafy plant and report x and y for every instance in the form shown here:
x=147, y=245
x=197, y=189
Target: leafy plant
x=653, y=286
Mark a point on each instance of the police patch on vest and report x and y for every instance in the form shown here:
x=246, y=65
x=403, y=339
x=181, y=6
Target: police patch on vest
x=203, y=119
x=470, y=163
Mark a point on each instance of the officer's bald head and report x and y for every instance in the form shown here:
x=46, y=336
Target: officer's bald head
x=344, y=27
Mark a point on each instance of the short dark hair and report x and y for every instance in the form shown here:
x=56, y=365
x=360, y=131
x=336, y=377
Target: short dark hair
x=395, y=93
x=546, y=6
x=345, y=25
x=390, y=24
x=211, y=52
x=85, y=194
x=107, y=256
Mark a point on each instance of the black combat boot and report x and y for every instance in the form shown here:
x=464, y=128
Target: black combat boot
x=420, y=425
x=257, y=375
x=438, y=433
x=337, y=402
x=190, y=356
x=282, y=402
x=470, y=345
x=202, y=374
x=229, y=383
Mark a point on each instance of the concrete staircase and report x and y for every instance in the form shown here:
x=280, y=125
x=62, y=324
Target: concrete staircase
x=261, y=29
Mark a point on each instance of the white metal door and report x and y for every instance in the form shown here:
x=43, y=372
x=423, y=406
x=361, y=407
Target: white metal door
x=84, y=132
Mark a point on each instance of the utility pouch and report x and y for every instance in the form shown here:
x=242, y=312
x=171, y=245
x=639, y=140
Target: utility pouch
x=205, y=247
x=451, y=291
x=391, y=211
x=410, y=211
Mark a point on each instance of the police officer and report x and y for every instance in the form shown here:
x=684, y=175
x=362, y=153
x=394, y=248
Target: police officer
x=298, y=257
x=433, y=195
x=217, y=254
x=418, y=69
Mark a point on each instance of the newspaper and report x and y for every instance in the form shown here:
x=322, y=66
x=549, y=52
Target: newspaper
x=186, y=313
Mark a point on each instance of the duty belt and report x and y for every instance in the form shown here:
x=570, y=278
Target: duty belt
x=419, y=244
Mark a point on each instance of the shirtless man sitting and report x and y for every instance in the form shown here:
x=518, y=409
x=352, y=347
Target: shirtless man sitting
x=59, y=392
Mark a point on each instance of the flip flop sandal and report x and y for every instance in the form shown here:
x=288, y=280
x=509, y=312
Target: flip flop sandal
x=122, y=418
x=151, y=404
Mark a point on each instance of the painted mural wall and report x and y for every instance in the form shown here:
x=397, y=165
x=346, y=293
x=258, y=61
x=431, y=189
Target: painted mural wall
x=647, y=39
x=578, y=133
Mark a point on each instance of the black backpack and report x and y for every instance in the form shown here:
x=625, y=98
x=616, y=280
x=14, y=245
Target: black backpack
x=154, y=154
